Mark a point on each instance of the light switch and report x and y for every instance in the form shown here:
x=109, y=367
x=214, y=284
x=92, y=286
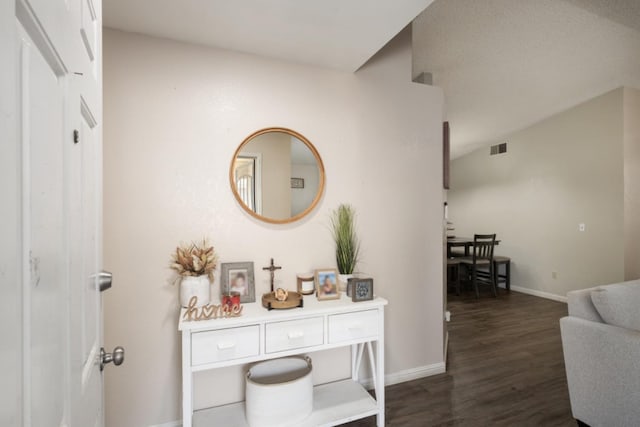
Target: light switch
x=581, y=227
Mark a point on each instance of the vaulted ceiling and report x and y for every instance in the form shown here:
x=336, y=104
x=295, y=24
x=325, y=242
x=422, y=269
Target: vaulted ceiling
x=503, y=64
x=506, y=64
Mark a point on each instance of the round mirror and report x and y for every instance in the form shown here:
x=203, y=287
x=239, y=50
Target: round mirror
x=277, y=175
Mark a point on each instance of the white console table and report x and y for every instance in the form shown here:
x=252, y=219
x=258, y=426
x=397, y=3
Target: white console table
x=261, y=335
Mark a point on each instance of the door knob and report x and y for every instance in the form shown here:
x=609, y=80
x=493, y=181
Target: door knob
x=117, y=357
x=104, y=280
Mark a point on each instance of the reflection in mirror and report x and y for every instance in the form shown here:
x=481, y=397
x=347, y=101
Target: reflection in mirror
x=246, y=175
x=277, y=175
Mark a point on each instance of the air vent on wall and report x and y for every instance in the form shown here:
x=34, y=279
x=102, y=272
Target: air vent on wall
x=498, y=149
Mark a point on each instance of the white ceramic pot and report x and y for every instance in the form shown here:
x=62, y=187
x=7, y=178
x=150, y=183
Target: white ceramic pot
x=344, y=279
x=198, y=286
x=279, y=392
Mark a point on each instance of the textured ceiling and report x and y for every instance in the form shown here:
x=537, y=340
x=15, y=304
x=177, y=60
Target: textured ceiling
x=336, y=34
x=506, y=64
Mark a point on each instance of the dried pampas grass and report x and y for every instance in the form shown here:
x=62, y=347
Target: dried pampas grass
x=194, y=260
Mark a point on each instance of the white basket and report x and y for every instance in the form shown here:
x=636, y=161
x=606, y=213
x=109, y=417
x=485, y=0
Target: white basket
x=279, y=392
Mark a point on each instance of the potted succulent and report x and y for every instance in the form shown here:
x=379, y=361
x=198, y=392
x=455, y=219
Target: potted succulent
x=346, y=240
x=195, y=264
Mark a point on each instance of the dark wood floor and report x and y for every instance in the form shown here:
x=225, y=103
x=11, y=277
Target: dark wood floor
x=505, y=368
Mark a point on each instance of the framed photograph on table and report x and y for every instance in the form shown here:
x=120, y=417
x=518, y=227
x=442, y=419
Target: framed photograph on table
x=327, y=284
x=361, y=289
x=237, y=277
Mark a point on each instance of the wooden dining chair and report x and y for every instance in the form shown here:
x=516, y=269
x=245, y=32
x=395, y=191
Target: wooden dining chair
x=506, y=277
x=453, y=266
x=480, y=267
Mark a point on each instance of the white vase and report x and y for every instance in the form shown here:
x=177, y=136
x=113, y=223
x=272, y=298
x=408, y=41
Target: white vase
x=198, y=286
x=344, y=279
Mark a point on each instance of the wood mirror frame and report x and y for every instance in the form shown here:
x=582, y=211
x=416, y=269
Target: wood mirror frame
x=319, y=164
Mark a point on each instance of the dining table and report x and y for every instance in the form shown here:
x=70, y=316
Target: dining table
x=461, y=242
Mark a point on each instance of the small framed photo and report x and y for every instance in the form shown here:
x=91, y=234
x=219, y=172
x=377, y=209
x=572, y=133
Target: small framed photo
x=327, y=284
x=237, y=278
x=297, y=182
x=361, y=289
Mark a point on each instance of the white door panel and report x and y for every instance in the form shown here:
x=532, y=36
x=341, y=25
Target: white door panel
x=88, y=29
x=91, y=49
x=56, y=19
x=58, y=49
x=84, y=202
x=44, y=272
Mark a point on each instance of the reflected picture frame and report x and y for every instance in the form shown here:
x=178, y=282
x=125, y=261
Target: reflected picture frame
x=297, y=183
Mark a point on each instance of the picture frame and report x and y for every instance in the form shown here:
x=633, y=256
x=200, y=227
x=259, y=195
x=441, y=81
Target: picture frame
x=326, y=281
x=361, y=289
x=238, y=278
x=297, y=182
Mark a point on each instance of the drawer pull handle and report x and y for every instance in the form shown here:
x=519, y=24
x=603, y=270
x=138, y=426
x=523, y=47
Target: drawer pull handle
x=226, y=346
x=294, y=335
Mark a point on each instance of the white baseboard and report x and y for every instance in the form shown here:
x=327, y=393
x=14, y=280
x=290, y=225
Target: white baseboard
x=541, y=294
x=408, y=375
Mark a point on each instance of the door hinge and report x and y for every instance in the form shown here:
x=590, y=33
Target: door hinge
x=76, y=136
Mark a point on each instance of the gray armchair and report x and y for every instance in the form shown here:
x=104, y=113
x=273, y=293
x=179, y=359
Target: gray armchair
x=601, y=344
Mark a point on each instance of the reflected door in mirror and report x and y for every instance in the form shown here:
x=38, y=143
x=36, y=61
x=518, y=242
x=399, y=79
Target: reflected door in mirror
x=246, y=170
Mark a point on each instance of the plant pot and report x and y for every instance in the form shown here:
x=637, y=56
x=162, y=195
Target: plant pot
x=343, y=279
x=198, y=286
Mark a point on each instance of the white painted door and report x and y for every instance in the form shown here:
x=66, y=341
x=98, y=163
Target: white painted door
x=10, y=236
x=85, y=224
x=57, y=48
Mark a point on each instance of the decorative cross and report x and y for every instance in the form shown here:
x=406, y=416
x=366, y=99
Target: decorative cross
x=272, y=268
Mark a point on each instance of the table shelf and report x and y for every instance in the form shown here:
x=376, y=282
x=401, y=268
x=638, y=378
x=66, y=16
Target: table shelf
x=333, y=404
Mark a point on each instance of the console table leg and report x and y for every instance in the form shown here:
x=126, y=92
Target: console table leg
x=187, y=383
x=355, y=373
x=380, y=398
x=372, y=363
x=354, y=358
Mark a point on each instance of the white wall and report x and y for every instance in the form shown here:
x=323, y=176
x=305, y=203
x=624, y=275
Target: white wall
x=174, y=114
x=561, y=172
x=631, y=183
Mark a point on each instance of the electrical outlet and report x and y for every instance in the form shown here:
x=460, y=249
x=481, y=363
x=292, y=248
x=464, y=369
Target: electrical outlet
x=581, y=227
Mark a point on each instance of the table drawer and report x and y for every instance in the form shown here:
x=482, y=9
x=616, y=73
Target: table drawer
x=353, y=326
x=224, y=344
x=282, y=336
